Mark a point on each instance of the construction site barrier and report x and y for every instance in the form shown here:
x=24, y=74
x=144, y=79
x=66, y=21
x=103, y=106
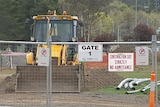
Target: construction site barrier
x=152, y=89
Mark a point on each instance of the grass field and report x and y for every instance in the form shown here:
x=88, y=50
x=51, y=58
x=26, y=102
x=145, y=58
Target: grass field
x=139, y=72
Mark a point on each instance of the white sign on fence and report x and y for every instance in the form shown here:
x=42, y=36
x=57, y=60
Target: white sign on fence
x=120, y=62
x=43, y=57
x=142, y=55
x=90, y=52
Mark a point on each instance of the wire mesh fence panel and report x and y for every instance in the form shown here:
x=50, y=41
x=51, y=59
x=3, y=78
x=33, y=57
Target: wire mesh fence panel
x=74, y=84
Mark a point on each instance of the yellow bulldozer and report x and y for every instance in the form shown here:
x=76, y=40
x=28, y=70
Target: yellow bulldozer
x=65, y=64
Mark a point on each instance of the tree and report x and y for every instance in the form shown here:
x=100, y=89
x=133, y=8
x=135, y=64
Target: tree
x=14, y=12
x=10, y=27
x=143, y=32
x=127, y=38
x=102, y=24
x=85, y=10
x=123, y=16
x=106, y=37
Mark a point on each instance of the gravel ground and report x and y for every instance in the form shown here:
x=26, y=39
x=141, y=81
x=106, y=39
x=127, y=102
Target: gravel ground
x=85, y=99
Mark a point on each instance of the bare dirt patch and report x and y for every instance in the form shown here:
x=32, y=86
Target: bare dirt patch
x=73, y=100
x=98, y=78
x=94, y=79
x=8, y=84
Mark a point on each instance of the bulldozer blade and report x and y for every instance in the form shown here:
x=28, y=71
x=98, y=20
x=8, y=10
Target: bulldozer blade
x=34, y=78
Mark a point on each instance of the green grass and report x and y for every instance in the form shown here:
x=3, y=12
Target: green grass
x=139, y=72
x=135, y=74
x=113, y=90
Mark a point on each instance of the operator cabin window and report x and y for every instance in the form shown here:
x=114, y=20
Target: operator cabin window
x=53, y=31
x=41, y=31
x=61, y=31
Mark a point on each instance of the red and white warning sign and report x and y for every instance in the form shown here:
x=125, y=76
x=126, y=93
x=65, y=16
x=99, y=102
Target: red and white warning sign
x=142, y=55
x=43, y=59
x=120, y=62
x=43, y=52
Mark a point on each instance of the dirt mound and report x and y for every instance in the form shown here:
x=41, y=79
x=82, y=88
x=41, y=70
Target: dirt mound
x=8, y=84
x=96, y=78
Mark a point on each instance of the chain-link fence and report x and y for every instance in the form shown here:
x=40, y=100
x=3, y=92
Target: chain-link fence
x=86, y=84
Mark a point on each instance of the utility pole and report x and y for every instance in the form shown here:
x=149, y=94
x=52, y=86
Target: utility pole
x=136, y=9
x=156, y=6
x=112, y=26
x=100, y=27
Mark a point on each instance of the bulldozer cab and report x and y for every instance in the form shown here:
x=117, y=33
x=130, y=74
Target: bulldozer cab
x=62, y=28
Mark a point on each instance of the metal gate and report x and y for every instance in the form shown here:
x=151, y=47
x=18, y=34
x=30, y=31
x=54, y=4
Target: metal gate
x=46, y=81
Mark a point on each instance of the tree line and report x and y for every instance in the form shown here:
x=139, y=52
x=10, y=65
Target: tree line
x=101, y=18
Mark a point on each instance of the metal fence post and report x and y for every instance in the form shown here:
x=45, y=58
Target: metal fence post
x=1, y=60
x=49, y=68
x=154, y=68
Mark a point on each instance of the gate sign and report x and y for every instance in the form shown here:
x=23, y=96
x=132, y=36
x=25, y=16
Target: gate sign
x=43, y=59
x=120, y=62
x=142, y=55
x=90, y=52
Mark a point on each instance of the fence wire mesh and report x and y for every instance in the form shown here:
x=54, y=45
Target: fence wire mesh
x=89, y=84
